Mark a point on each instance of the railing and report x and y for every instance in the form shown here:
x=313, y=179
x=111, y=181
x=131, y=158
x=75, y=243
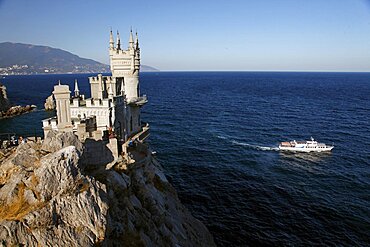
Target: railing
x=13, y=139
x=144, y=133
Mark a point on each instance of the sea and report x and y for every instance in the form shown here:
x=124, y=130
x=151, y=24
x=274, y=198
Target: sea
x=216, y=136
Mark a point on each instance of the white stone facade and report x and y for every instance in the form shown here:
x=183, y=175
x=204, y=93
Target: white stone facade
x=115, y=100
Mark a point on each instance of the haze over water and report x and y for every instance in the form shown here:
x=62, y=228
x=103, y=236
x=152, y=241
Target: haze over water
x=216, y=136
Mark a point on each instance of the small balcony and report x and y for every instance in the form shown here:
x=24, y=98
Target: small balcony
x=138, y=101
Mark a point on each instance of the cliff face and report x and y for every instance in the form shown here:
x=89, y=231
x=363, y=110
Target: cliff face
x=52, y=195
x=4, y=102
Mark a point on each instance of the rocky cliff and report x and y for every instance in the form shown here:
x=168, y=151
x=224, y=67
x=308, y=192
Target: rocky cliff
x=60, y=194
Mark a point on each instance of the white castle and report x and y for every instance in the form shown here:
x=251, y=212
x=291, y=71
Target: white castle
x=113, y=111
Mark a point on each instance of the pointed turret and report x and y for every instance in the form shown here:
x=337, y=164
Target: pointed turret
x=77, y=91
x=111, y=40
x=118, y=42
x=136, y=41
x=122, y=88
x=137, y=53
x=131, y=40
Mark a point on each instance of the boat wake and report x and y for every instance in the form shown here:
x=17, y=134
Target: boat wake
x=252, y=146
x=263, y=148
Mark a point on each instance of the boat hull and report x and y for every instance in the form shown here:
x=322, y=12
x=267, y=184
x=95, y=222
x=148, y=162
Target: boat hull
x=306, y=149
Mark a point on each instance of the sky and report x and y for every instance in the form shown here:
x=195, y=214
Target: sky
x=202, y=35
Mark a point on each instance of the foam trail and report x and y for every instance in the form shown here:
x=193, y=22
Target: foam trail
x=263, y=148
x=257, y=147
x=223, y=137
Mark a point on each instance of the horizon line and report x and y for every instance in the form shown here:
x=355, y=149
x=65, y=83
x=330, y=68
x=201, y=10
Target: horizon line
x=306, y=71
x=200, y=71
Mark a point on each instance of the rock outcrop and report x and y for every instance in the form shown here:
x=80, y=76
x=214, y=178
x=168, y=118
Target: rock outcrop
x=6, y=111
x=49, y=103
x=17, y=110
x=4, y=102
x=51, y=196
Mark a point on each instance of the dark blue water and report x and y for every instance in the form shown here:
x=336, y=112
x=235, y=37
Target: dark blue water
x=216, y=136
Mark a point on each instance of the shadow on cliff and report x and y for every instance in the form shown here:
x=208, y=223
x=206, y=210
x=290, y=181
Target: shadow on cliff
x=95, y=157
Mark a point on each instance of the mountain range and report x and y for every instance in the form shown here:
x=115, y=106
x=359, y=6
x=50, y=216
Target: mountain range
x=21, y=59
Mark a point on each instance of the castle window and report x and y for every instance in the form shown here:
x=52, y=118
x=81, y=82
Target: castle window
x=131, y=124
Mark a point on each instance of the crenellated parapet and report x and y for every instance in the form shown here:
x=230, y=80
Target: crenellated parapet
x=124, y=62
x=101, y=85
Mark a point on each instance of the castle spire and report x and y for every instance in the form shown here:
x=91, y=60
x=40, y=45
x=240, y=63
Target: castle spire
x=77, y=92
x=137, y=41
x=122, y=88
x=131, y=40
x=118, y=42
x=111, y=40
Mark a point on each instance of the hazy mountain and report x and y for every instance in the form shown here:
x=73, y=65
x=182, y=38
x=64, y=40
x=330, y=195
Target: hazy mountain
x=146, y=68
x=16, y=58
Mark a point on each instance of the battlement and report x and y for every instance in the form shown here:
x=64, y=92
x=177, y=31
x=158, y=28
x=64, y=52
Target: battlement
x=124, y=63
x=98, y=102
x=99, y=78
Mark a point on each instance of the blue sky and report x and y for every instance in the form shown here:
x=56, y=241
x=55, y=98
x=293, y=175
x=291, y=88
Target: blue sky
x=242, y=35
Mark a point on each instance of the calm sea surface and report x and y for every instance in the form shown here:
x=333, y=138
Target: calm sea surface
x=216, y=136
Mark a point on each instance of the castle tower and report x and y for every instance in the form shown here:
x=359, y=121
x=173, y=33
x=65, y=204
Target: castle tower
x=62, y=100
x=132, y=79
x=125, y=66
x=115, y=101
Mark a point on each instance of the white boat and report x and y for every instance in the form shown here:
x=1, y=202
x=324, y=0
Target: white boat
x=304, y=146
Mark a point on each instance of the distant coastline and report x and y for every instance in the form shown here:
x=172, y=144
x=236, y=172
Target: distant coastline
x=261, y=71
x=28, y=59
